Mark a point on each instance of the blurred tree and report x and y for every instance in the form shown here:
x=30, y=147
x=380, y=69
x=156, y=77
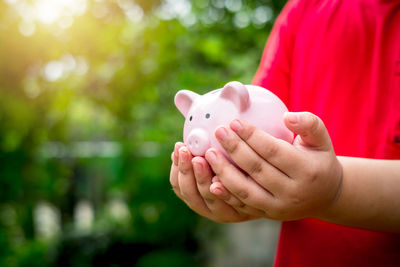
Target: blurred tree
x=87, y=121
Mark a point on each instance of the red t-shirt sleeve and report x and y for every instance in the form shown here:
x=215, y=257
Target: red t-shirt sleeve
x=274, y=70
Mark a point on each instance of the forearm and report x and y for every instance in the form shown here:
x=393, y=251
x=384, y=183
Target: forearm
x=369, y=196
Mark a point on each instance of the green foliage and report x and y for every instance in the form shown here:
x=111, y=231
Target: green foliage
x=87, y=122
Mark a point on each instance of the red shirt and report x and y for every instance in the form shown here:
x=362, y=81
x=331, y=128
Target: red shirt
x=339, y=59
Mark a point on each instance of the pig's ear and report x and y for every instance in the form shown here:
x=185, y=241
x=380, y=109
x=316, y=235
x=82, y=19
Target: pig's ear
x=238, y=94
x=184, y=100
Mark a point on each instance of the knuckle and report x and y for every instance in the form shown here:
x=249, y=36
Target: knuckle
x=248, y=133
x=242, y=194
x=239, y=205
x=255, y=168
x=294, y=198
x=209, y=201
x=294, y=195
x=314, y=122
x=233, y=201
x=231, y=146
x=271, y=150
x=185, y=170
x=227, y=198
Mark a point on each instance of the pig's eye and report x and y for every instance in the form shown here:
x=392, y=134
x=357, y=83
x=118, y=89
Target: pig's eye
x=191, y=117
x=207, y=115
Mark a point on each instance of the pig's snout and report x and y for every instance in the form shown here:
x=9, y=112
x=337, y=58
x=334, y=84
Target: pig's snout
x=198, y=142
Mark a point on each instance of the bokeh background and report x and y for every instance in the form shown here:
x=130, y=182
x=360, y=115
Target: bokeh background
x=87, y=126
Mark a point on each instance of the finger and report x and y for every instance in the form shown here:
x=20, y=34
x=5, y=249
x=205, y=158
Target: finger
x=173, y=179
x=310, y=128
x=241, y=186
x=279, y=153
x=175, y=155
x=202, y=171
x=265, y=174
x=219, y=190
x=203, y=175
x=218, y=207
x=187, y=184
x=220, y=211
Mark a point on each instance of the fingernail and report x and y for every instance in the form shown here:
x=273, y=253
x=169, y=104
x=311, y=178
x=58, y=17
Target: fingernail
x=212, y=157
x=293, y=118
x=221, y=133
x=236, y=125
x=217, y=191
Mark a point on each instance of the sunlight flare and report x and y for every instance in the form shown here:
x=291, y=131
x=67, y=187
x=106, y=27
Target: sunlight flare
x=49, y=11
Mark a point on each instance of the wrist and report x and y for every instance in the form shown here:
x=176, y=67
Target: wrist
x=329, y=211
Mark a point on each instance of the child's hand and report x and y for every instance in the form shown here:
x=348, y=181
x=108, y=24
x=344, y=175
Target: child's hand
x=191, y=179
x=285, y=181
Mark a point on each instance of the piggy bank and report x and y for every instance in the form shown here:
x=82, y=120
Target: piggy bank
x=205, y=113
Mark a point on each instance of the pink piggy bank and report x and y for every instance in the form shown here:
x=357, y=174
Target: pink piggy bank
x=205, y=113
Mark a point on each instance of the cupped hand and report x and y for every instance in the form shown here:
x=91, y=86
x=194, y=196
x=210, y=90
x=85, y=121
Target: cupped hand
x=285, y=181
x=191, y=178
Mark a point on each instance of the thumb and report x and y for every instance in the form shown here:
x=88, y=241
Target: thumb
x=309, y=127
